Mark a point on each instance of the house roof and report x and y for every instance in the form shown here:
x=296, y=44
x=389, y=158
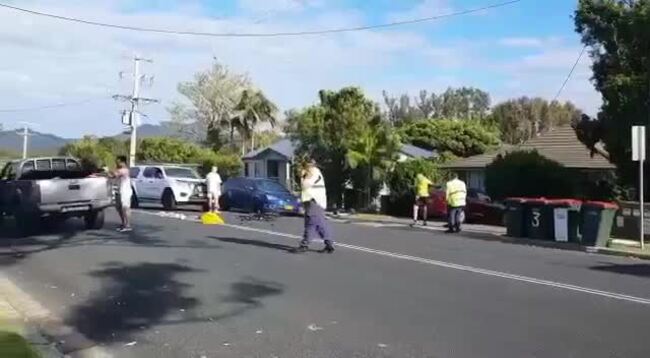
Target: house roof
x=416, y=152
x=284, y=147
x=559, y=144
x=287, y=148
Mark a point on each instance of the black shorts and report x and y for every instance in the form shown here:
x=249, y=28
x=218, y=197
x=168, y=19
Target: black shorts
x=422, y=201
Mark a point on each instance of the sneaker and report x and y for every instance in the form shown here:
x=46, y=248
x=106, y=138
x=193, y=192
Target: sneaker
x=328, y=250
x=425, y=224
x=126, y=229
x=119, y=229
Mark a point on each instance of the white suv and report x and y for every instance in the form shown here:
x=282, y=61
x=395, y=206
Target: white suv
x=168, y=185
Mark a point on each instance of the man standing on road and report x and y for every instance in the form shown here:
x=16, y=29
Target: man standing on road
x=213, y=183
x=456, y=201
x=314, y=200
x=124, y=193
x=422, y=184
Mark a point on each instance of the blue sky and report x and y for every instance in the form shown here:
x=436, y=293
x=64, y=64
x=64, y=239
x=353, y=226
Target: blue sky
x=522, y=49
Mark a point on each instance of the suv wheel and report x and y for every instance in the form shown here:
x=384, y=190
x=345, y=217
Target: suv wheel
x=168, y=200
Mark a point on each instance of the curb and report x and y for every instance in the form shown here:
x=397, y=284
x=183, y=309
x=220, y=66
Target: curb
x=473, y=234
x=57, y=340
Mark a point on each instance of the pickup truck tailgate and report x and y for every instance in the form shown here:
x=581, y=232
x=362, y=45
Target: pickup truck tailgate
x=63, y=191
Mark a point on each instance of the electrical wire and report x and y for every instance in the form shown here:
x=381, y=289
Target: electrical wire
x=568, y=77
x=51, y=106
x=261, y=34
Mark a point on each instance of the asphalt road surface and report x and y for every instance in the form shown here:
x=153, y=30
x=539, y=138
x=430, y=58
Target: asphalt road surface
x=175, y=288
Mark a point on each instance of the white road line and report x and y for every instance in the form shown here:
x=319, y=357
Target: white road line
x=453, y=266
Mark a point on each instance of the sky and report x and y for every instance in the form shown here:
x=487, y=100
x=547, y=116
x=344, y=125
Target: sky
x=523, y=49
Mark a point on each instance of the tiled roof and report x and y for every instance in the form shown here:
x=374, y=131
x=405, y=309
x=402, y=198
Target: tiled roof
x=560, y=145
x=287, y=148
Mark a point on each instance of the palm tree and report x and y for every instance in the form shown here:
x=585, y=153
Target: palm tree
x=253, y=108
x=374, y=153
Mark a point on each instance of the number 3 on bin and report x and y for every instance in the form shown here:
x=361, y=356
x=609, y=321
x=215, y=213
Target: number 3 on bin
x=536, y=216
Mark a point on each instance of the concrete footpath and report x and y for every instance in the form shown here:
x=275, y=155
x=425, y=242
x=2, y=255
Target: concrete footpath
x=488, y=232
x=20, y=336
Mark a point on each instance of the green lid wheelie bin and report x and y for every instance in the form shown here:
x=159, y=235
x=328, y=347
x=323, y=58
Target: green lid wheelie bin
x=566, y=212
x=597, y=218
x=515, y=217
x=539, y=219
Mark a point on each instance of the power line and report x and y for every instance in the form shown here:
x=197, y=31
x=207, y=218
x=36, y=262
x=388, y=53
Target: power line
x=262, y=34
x=51, y=106
x=568, y=77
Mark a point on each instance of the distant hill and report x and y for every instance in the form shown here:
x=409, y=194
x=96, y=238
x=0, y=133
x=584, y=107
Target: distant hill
x=164, y=129
x=11, y=141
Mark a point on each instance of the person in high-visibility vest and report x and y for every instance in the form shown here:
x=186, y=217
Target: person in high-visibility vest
x=422, y=194
x=314, y=201
x=456, y=193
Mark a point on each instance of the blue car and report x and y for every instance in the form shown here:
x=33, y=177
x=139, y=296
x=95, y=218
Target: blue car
x=258, y=195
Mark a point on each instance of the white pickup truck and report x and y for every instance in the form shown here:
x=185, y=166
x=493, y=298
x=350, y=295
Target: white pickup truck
x=55, y=187
x=169, y=185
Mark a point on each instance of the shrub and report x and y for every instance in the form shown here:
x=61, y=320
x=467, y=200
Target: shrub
x=528, y=174
x=459, y=138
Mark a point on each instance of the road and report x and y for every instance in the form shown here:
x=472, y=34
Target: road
x=176, y=288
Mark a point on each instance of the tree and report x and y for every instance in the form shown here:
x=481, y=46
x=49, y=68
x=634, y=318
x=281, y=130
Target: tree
x=617, y=33
x=327, y=131
x=458, y=138
x=528, y=174
x=524, y=118
x=253, y=108
x=90, y=152
x=213, y=96
x=399, y=110
x=371, y=156
x=462, y=103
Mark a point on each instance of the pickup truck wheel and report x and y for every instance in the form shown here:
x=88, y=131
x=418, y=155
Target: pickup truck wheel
x=135, y=203
x=94, y=220
x=168, y=200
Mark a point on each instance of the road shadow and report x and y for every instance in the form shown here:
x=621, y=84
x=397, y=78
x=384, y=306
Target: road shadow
x=72, y=233
x=133, y=297
x=641, y=270
x=257, y=243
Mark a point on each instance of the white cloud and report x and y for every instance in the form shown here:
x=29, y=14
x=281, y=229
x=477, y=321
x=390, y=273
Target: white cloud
x=425, y=8
x=47, y=61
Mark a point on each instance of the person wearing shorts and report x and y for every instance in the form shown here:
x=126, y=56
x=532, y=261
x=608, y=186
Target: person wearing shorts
x=422, y=184
x=213, y=184
x=124, y=194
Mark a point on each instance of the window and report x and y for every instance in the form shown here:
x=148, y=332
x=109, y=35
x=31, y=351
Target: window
x=153, y=173
x=9, y=172
x=134, y=172
x=273, y=169
x=28, y=167
x=58, y=164
x=72, y=164
x=183, y=173
x=43, y=164
x=270, y=186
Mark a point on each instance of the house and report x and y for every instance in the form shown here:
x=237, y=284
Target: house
x=560, y=145
x=275, y=161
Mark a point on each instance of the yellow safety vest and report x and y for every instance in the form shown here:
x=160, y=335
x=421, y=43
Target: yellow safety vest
x=456, y=193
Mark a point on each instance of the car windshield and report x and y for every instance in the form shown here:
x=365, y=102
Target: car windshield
x=270, y=186
x=183, y=173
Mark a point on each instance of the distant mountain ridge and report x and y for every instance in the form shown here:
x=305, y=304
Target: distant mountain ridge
x=12, y=141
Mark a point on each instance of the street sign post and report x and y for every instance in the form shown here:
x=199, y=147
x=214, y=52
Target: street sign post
x=638, y=155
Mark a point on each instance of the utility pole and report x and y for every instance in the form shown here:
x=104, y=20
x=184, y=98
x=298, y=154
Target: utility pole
x=25, y=135
x=131, y=118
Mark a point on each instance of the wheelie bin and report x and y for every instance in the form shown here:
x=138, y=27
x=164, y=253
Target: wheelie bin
x=597, y=218
x=566, y=220
x=515, y=217
x=539, y=219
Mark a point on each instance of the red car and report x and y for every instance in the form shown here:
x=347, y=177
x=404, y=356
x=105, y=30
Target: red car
x=479, y=209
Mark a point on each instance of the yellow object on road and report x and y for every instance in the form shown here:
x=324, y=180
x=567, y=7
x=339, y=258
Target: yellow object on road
x=211, y=218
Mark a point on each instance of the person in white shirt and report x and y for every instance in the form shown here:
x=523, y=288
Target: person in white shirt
x=314, y=200
x=213, y=183
x=124, y=193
